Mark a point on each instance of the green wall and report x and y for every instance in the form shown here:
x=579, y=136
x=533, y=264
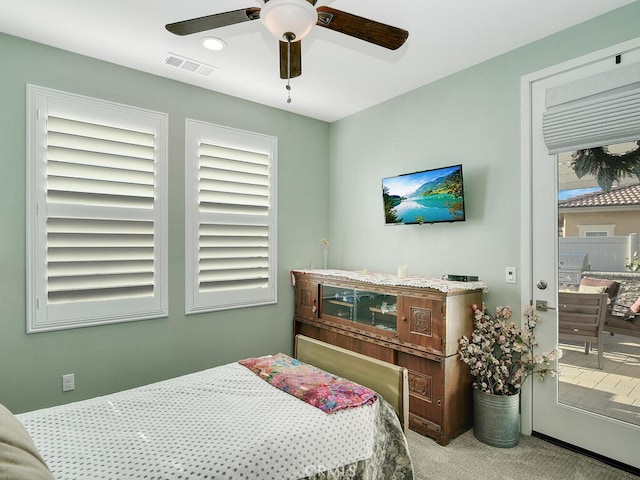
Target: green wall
x=328, y=186
x=472, y=118
x=114, y=357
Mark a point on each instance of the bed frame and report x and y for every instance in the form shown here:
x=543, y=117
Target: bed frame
x=20, y=459
x=390, y=381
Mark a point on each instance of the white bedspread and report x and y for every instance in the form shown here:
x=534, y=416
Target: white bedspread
x=223, y=422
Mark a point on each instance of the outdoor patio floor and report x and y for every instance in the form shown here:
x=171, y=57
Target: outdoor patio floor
x=613, y=391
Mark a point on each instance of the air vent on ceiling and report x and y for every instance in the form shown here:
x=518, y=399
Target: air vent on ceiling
x=189, y=65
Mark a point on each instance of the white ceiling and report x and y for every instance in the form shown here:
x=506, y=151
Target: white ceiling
x=341, y=75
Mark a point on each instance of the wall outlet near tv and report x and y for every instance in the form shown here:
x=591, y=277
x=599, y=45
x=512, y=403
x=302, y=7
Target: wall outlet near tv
x=510, y=275
x=68, y=382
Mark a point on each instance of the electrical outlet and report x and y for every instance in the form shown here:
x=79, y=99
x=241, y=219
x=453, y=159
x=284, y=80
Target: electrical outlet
x=68, y=382
x=510, y=275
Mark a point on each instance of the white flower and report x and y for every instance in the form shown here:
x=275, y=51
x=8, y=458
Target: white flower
x=501, y=354
x=325, y=244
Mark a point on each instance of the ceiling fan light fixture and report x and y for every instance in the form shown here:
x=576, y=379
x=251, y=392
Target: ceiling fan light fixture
x=283, y=17
x=214, y=43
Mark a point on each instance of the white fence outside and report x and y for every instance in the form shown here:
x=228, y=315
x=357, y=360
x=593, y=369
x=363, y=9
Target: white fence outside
x=606, y=254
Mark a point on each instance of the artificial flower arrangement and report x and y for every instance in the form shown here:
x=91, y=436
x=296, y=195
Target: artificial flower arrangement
x=325, y=246
x=501, y=355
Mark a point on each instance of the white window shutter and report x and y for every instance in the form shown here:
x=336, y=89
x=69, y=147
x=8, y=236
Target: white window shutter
x=98, y=236
x=231, y=247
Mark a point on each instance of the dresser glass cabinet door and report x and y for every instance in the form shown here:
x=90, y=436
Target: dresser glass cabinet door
x=364, y=307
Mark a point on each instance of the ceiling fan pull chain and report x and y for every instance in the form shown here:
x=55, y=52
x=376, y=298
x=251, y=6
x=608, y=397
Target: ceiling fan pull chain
x=288, y=37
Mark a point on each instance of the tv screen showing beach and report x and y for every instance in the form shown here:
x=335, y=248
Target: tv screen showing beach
x=430, y=196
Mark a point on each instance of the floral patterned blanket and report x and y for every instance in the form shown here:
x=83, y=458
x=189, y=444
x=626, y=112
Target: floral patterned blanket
x=310, y=384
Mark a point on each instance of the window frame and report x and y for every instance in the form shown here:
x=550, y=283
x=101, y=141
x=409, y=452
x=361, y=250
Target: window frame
x=226, y=137
x=599, y=230
x=43, y=315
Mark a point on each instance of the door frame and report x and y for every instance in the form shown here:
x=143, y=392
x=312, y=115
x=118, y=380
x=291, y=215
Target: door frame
x=526, y=178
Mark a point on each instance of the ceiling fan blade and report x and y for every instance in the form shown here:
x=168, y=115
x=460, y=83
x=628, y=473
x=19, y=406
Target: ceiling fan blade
x=200, y=24
x=296, y=59
x=359, y=27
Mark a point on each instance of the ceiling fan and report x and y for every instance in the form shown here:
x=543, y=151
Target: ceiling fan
x=290, y=21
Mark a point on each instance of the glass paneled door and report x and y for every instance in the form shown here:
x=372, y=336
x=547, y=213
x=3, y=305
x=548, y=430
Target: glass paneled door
x=570, y=239
x=599, y=282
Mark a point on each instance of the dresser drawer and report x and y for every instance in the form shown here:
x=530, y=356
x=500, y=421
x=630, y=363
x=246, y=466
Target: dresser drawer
x=306, y=298
x=420, y=322
x=426, y=392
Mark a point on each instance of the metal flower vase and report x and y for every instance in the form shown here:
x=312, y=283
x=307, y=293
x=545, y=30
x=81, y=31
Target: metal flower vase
x=496, y=419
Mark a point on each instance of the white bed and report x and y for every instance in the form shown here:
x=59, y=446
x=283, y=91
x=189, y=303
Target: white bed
x=227, y=422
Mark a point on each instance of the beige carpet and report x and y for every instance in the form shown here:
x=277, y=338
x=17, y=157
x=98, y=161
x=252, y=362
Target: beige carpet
x=466, y=458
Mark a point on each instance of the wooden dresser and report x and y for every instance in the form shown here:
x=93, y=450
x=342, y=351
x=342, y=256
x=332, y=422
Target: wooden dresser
x=414, y=322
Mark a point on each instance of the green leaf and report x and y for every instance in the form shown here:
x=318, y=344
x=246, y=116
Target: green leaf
x=607, y=168
x=581, y=165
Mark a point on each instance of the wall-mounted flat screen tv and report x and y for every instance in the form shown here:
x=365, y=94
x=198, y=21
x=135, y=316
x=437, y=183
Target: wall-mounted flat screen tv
x=429, y=196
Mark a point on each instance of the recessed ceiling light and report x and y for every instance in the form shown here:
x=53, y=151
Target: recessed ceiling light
x=213, y=43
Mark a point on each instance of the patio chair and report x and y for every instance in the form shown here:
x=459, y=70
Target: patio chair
x=610, y=287
x=614, y=321
x=581, y=319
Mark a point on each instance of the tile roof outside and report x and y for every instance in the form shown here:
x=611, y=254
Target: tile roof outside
x=618, y=196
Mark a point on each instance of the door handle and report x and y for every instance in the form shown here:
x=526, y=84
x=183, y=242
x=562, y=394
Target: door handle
x=542, y=285
x=543, y=306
